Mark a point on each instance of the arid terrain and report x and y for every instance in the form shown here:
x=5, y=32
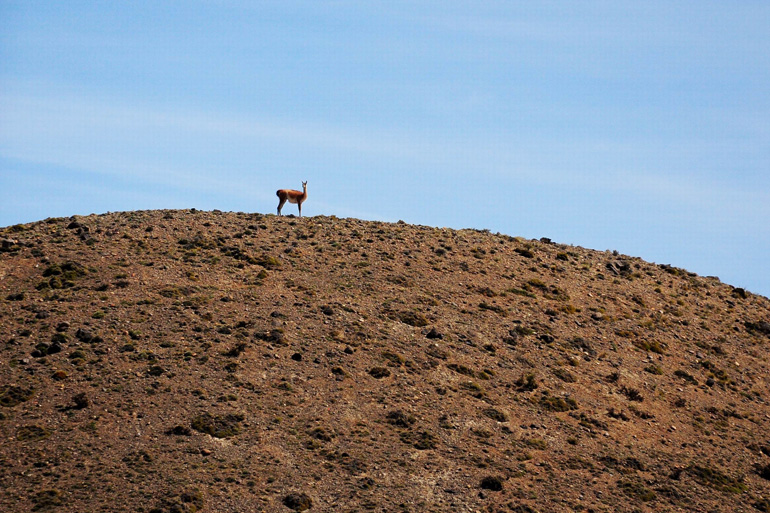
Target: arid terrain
x=180, y=361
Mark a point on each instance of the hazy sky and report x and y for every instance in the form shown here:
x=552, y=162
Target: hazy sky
x=642, y=127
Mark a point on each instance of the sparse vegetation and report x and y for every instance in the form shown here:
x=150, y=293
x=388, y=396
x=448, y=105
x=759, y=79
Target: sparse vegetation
x=527, y=382
x=636, y=490
x=553, y=403
x=421, y=439
x=325, y=363
x=218, y=426
x=412, y=318
x=32, y=433
x=11, y=395
x=716, y=479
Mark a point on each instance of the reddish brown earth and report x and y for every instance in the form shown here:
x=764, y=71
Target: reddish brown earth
x=179, y=361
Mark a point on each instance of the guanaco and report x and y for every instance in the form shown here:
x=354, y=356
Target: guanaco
x=291, y=196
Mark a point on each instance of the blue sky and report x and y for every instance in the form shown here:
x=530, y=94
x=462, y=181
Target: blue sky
x=642, y=127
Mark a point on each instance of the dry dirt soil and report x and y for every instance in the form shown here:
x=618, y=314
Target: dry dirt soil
x=180, y=361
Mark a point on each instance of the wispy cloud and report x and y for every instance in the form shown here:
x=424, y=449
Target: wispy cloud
x=199, y=150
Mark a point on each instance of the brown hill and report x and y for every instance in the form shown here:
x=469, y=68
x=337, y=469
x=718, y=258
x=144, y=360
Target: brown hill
x=178, y=361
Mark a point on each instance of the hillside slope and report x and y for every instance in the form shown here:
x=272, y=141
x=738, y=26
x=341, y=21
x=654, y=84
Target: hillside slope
x=173, y=361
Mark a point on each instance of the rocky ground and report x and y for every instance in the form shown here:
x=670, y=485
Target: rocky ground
x=179, y=361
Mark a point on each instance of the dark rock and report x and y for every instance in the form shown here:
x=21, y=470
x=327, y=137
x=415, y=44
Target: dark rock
x=80, y=401
x=59, y=338
x=762, y=327
x=84, y=335
x=179, y=430
x=156, y=370
x=433, y=334
x=619, y=268
x=526, y=253
x=379, y=372
x=492, y=483
x=7, y=245
x=297, y=501
x=366, y=483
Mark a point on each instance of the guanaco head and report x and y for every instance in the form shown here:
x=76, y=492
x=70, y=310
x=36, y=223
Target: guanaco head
x=304, y=185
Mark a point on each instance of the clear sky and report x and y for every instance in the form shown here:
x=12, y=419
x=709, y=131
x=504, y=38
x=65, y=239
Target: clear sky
x=637, y=126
